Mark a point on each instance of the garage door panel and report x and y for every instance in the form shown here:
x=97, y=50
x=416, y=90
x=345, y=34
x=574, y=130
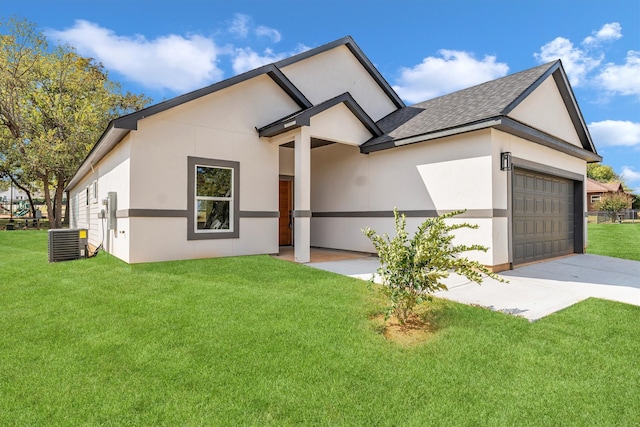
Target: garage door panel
x=542, y=213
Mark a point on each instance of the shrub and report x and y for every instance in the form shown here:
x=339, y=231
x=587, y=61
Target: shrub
x=613, y=203
x=413, y=268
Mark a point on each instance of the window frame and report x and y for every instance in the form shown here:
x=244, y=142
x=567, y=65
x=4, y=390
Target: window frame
x=594, y=199
x=94, y=192
x=192, y=203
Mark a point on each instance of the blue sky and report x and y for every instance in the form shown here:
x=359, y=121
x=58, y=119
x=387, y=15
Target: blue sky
x=423, y=48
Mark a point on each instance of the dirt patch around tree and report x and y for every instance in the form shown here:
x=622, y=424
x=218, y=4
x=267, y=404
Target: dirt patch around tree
x=415, y=331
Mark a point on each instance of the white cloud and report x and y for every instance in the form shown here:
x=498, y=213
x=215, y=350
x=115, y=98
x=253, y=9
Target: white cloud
x=454, y=70
x=584, y=63
x=629, y=174
x=612, y=31
x=169, y=62
x=240, y=25
x=576, y=62
x=615, y=133
x=270, y=33
x=245, y=59
x=622, y=79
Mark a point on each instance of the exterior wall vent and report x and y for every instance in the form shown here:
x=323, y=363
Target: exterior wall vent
x=67, y=244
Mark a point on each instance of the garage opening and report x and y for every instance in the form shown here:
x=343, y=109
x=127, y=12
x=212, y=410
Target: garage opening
x=544, y=215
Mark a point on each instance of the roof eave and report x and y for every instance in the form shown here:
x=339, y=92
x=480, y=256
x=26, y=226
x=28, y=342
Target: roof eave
x=503, y=123
x=111, y=137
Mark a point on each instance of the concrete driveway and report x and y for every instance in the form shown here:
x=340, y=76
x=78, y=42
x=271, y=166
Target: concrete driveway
x=533, y=291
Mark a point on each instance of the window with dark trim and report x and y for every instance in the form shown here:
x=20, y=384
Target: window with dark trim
x=213, y=193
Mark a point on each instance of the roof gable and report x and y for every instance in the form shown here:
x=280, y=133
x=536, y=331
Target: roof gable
x=545, y=109
x=481, y=106
x=120, y=127
x=303, y=118
x=594, y=186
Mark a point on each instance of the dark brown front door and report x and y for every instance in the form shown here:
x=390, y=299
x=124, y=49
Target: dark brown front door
x=286, y=202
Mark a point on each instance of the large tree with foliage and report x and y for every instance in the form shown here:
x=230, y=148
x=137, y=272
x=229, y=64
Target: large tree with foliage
x=18, y=55
x=602, y=173
x=55, y=105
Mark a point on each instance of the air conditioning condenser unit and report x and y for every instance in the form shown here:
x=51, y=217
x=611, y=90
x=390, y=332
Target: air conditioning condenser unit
x=67, y=244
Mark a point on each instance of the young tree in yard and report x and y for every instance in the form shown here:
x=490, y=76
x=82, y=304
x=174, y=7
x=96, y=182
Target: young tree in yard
x=57, y=106
x=613, y=203
x=413, y=268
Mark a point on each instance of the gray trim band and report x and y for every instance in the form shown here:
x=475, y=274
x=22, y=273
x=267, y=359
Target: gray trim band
x=259, y=214
x=168, y=213
x=470, y=213
x=302, y=214
x=151, y=213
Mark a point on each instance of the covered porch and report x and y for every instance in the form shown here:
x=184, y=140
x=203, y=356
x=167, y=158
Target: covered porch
x=337, y=121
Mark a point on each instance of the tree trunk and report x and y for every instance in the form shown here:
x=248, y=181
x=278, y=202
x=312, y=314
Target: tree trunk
x=47, y=200
x=65, y=220
x=58, y=202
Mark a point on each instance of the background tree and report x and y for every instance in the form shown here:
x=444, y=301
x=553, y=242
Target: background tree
x=613, y=204
x=602, y=173
x=18, y=53
x=57, y=105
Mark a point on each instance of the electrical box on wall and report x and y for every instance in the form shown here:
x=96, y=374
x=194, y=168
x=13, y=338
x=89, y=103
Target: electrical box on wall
x=112, y=206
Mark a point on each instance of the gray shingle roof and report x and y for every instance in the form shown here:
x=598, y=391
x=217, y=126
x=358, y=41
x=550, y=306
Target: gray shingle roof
x=477, y=103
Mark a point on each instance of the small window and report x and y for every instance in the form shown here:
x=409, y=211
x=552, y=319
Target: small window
x=595, y=198
x=87, y=197
x=94, y=192
x=213, y=199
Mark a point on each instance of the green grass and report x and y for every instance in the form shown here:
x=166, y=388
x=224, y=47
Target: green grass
x=615, y=240
x=259, y=341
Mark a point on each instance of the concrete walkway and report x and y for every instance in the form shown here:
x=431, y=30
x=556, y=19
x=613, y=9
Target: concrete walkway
x=533, y=291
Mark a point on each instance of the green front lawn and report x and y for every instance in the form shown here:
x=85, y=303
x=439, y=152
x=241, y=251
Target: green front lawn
x=260, y=341
x=615, y=240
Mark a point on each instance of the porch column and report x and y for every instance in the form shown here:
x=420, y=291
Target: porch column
x=302, y=196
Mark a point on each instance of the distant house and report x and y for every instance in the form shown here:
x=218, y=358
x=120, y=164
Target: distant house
x=307, y=151
x=13, y=194
x=596, y=189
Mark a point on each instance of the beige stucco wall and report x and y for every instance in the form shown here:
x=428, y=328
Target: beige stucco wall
x=148, y=171
x=340, y=125
x=112, y=174
x=459, y=172
x=335, y=72
x=544, y=109
x=447, y=174
x=286, y=160
x=218, y=126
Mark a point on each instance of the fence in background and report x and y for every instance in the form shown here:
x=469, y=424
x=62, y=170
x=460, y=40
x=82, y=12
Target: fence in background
x=601, y=217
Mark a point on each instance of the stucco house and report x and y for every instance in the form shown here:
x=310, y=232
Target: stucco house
x=309, y=150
